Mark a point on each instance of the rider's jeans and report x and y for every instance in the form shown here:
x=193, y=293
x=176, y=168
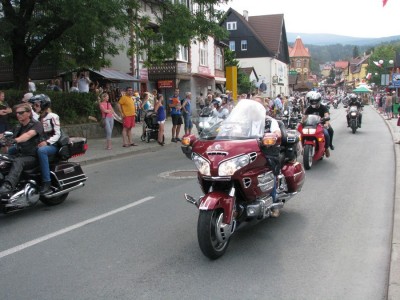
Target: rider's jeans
x=43, y=155
x=327, y=138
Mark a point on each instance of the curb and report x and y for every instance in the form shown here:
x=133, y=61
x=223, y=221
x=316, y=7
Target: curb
x=393, y=291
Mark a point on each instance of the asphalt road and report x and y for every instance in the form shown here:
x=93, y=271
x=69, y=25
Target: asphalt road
x=130, y=235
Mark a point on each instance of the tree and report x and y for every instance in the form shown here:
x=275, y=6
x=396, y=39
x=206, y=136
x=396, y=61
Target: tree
x=356, y=52
x=385, y=53
x=72, y=33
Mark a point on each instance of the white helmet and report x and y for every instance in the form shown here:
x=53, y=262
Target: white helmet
x=314, y=98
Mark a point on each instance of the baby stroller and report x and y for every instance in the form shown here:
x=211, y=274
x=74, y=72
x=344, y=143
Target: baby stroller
x=150, y=127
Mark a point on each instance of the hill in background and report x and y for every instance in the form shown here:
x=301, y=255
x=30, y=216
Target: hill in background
x=321, y=39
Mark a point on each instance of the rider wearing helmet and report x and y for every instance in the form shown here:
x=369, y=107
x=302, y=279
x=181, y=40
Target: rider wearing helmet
x=216, y=103
x=52, y=133
x=223, y=111
x=315, y=108
x=353, y=101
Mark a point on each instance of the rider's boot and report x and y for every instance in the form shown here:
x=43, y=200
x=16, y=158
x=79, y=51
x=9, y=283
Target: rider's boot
x=45, y=188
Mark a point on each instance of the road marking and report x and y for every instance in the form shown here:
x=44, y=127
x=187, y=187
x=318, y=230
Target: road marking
x=70, y=228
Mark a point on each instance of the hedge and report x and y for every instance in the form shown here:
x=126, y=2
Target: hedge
x=73, y=108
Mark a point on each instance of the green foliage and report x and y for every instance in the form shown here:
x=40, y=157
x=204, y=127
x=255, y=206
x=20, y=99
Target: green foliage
x=356, y=52
x=245, y=86
x=73, y=108
x=230, y=59
x=81, y=33
x=385, y=53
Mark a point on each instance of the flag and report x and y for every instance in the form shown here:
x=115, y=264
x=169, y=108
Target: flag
x=368, y=76
x=384, y=2
x=377, y=64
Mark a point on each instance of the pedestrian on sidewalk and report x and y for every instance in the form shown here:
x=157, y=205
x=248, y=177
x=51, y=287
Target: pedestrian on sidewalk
x=126, y=106
x=389, y=106
x=176, y=115
x=161, y=116
x=187, y=113
x=107, y=112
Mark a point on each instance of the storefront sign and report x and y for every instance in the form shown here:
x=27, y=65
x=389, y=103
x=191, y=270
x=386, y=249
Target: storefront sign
x=396, y=79
x=165, y=84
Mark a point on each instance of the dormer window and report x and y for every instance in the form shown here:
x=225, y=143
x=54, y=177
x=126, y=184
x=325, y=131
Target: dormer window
x=231, y=25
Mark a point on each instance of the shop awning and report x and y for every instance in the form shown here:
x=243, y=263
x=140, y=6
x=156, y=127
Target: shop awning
x=220, y=79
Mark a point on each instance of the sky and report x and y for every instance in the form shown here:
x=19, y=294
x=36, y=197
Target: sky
x=355, y=18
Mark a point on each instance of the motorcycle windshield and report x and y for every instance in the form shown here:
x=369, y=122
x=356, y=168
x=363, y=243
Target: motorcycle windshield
x=246, y=121
x=206, y=112
x=353, y=109
x=312, y=121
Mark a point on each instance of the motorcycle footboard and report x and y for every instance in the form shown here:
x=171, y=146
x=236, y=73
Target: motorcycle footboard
x=68, y=174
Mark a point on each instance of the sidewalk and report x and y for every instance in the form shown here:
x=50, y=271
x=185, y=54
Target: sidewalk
x=394, y=274
x=97, y=152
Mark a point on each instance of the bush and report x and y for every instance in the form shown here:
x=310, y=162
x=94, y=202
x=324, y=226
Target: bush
x=73, y=108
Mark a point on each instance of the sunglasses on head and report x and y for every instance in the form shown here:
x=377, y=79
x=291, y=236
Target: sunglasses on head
x=20, y=112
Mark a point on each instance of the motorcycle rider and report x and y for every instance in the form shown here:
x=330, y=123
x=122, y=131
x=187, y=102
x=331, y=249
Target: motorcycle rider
x=353, y=101
x=52, y=133
x=315, y=108
x=27, y=135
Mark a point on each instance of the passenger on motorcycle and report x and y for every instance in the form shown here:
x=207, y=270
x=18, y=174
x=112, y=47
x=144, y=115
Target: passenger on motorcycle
x=27, y=135
x=223, y=111
x=52, y=132
x=353, y=101
x=315, y=108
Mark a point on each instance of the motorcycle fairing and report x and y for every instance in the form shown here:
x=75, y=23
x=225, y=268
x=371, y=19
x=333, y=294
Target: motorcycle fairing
x=215, y=200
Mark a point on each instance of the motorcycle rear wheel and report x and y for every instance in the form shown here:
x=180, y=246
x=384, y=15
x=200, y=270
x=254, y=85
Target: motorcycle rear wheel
x=207, y=227
x=308, y=157
x=54, y=201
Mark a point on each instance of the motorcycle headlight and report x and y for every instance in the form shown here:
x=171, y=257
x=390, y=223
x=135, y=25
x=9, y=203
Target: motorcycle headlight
x=309, y=130
x=353, y=114
x=229, y=167
x=286, y=113
x=202, y=165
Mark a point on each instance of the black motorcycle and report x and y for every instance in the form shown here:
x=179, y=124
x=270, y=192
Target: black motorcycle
x=65, y=177
x=354, y=118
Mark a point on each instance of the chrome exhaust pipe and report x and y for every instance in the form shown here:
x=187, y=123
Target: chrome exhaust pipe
x=56, y=194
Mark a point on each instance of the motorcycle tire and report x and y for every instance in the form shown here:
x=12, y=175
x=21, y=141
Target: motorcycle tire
x=207, y=234
x=353, y=126
x=143, y=137
x=54, y=201
x=308, y=157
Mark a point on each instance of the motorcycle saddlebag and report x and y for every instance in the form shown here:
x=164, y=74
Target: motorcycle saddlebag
x=294, y=174
x=69, y=174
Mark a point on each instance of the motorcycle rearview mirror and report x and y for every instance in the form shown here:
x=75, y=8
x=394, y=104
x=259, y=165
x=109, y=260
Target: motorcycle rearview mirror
x=8, y=134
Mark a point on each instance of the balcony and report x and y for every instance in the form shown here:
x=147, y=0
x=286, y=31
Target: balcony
x=170, y=70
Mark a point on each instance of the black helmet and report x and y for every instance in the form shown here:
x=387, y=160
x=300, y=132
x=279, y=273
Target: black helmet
x=353, y=97
x=43, y=99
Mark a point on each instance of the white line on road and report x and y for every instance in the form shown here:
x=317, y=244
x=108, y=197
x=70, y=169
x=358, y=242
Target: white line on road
x=70, y=228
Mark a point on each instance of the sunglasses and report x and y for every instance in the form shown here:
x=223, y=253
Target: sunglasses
x=20, y=112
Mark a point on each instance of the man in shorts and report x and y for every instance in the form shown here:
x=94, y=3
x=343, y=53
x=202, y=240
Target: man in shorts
x=126, y=106
x=174, y=104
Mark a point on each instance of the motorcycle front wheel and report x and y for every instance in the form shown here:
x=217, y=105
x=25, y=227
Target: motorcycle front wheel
x=353, y=126
x=207, y=227
x=308, y=157
x=54, y=201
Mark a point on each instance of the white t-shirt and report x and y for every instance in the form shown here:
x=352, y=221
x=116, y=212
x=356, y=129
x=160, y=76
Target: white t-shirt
x=83, y=85
x=31, y=86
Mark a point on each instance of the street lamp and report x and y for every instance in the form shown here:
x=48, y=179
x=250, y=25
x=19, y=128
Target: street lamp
x=385, y=77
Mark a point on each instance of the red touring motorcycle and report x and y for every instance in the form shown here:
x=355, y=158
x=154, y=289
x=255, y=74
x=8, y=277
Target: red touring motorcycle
x=312, y=139
x=65, y=177
x=238, y=165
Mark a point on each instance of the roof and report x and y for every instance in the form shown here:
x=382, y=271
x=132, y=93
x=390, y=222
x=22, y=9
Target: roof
x=110, y=74
x=298, y=49
x=114, y=74
x=341, y=64
x=269, y=29
x=248, y=70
